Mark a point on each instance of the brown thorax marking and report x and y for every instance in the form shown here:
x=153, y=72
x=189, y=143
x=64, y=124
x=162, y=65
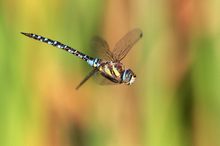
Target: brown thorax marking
x=112, y=69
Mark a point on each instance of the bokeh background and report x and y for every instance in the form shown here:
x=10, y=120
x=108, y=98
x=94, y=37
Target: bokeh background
x=175, y=100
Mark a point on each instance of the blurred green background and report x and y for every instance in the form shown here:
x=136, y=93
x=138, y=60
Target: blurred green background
x=175, y=100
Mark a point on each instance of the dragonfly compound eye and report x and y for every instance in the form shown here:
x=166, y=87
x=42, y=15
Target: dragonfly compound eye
x=128, y=77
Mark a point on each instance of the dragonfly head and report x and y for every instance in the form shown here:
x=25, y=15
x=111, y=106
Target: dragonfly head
x=128, y=77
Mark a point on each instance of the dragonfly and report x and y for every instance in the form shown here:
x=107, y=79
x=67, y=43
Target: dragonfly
x=109, y=67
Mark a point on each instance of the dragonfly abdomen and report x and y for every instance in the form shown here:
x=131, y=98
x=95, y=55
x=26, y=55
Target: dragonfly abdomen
x=59, y=45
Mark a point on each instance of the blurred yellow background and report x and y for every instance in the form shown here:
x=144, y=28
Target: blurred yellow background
x=175, y=100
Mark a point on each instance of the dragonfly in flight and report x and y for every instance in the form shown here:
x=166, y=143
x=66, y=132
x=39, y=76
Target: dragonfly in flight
x=109, y=65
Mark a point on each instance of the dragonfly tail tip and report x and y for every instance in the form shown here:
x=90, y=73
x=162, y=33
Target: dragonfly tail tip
x=24, y=33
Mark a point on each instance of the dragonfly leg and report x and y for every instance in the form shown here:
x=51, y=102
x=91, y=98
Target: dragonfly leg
x=87, y=77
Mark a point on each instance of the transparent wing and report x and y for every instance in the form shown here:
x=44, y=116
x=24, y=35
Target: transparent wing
x=86, y=78
x=123, y=46
x=102, y=48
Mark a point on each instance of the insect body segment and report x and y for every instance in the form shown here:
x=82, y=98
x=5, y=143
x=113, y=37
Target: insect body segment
x=112, y=70
x=59, y=45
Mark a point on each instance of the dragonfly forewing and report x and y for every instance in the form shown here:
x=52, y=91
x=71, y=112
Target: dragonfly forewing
x=123, y=46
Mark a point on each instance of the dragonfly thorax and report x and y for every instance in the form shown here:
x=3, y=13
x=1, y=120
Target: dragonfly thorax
x=116, y=72
x=112, y=70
